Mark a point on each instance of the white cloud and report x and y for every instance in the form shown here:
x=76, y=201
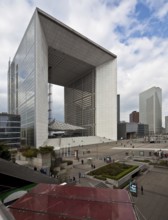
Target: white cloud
x=141, y=61
x=159, y=7
x=97, y=21
x=141, y=70
x=163, y=11
x=13, y=23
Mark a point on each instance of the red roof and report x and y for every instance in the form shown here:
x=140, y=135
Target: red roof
x=56, y=202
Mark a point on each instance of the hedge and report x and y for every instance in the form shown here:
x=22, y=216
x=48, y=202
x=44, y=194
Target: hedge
x=125, y=172
x=113, y=171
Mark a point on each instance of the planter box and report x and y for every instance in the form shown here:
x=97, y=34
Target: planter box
x=124, y=179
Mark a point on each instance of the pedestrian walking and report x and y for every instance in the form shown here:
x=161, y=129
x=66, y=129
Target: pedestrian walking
x=142, y=190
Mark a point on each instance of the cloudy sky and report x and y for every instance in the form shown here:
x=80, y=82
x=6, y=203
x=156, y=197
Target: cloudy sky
x=135, y=30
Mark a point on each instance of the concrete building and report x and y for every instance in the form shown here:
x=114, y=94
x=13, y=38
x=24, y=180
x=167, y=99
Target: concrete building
x=128, y=130
x=150, y=109
x=134, y=117
x=143, y=130
x=10, y=130
x=166, y=124
x=51, y=52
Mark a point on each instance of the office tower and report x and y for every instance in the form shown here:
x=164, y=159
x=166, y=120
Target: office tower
x=10, y=130
x=150, y=109
x=87, y=71
x=134, y=117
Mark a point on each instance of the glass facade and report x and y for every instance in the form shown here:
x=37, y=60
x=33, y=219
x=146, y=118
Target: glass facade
x=80, y=103
x=21, y=86
x=143, y=130
x=10, y=129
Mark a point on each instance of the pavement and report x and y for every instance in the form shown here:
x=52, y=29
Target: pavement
x=78, y=167
x=153, y=204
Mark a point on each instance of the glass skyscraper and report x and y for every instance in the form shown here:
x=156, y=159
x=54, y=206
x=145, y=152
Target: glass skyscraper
x=21, y=84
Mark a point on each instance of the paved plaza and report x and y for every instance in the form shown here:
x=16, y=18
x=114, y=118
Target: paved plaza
x=153, y=204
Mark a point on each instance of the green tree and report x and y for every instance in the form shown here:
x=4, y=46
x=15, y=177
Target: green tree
x=46, y=149
x=4, y=152
x=29, y=152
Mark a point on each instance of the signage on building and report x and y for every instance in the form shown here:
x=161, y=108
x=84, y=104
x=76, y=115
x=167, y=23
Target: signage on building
x=133, y=188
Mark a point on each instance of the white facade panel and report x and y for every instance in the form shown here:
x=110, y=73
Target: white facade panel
x=106, y=100
x=41, y=116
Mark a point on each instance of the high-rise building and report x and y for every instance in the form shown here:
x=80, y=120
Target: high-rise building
x=150, y=109
x=166, y=124
x=134, y=117
x=51, y=52
x=10, y=130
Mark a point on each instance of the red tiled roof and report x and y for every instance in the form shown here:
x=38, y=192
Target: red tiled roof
x=55, y=202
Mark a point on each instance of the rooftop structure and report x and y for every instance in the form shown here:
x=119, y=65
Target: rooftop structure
x=70, y=202
x=60, y=126
x=51, y=52
x=14, y=176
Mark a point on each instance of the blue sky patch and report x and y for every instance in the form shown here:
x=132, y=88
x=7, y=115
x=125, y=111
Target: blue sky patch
x=142, y=11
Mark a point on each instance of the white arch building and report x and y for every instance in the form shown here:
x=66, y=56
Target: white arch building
x=51, y=52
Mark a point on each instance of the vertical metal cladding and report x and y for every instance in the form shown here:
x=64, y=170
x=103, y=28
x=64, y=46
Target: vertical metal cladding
x=80, y=103
x=11, y=88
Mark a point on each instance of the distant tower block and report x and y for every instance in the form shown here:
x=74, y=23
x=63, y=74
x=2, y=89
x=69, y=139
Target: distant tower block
x=134, y=117
x=150, y=109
